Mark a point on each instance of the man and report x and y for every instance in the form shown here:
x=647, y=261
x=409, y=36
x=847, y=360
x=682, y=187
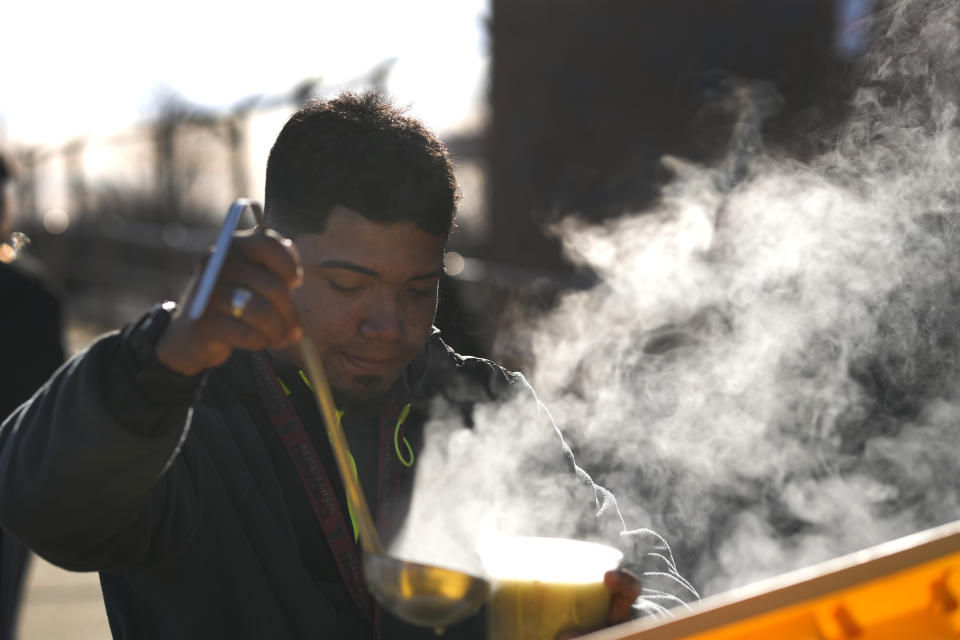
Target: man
x=30, y=350
x=186, y=460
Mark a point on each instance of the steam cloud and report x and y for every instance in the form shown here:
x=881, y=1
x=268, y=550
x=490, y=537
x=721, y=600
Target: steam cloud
x=767, y=373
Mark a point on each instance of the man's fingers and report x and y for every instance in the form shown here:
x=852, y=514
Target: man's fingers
x=624, y=582
x=258, y=313
x=274, y=252
x=189, y=347
x=268, y=289
x=237, y=332
x=250, y=307
x=625, y=588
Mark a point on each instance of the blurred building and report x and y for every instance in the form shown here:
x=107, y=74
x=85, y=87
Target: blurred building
x=588, y=95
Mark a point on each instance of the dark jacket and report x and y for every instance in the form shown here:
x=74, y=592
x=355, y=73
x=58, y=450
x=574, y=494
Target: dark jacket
x=30, y=350
x=30, y=335
x=170, y=488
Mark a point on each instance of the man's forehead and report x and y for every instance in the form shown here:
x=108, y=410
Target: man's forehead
x=342, y=219
x=352, y=242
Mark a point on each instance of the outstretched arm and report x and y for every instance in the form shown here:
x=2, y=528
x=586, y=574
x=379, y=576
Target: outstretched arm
x=92, y=473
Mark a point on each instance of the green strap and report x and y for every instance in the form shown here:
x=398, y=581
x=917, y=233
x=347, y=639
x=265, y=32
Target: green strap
x=306, y=381
x=407, y=462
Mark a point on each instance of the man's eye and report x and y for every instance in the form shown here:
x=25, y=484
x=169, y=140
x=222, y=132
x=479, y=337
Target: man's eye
x=423, y=293
x=343, y=288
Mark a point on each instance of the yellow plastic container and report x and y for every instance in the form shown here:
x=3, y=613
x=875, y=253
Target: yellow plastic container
x=907, y=589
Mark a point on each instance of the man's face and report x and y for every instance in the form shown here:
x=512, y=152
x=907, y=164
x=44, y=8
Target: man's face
x=368, y=299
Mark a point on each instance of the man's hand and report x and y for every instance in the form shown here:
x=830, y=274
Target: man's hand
x=624, y=590
x=261, y=262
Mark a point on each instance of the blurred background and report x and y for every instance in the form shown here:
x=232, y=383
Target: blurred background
x=133, y=126
x=132, y=135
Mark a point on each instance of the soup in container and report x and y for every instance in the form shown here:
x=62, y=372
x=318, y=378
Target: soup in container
x=545, y=586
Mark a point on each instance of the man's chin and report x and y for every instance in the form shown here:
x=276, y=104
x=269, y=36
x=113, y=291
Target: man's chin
x=360, y=390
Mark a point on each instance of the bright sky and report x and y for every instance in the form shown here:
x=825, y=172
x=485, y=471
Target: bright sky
x=75, y=68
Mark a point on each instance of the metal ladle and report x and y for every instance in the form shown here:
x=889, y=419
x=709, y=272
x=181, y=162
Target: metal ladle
x=420, y=594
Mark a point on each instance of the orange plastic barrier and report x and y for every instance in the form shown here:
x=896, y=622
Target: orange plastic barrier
x=906, y=589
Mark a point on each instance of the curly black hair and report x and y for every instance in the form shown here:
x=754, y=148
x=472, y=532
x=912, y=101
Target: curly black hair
x=361, y=152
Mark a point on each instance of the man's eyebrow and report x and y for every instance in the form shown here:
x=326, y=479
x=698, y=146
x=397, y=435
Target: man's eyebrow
x=356, y=268
x=349, y=266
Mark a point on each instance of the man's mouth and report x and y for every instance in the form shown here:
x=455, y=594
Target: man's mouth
x=370, y=365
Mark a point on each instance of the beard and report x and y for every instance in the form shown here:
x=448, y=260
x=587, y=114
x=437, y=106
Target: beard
x=360, y=390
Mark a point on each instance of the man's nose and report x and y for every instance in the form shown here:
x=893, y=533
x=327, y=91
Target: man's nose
x=383, y=319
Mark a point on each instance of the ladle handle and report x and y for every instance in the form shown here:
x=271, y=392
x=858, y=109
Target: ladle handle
x=369, y=539
x=208, y=279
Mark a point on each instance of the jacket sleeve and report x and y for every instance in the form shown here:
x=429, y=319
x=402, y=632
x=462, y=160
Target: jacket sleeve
x=86, y=474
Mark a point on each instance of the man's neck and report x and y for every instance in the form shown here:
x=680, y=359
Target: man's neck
x=290, y=353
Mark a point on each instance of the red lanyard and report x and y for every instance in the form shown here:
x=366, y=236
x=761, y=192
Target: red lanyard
x=319, y=490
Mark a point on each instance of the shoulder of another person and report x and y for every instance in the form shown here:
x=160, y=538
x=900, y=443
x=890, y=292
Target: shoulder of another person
x=27, y=277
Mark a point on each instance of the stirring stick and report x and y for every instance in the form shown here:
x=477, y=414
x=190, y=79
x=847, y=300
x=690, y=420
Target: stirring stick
x=369, y=539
